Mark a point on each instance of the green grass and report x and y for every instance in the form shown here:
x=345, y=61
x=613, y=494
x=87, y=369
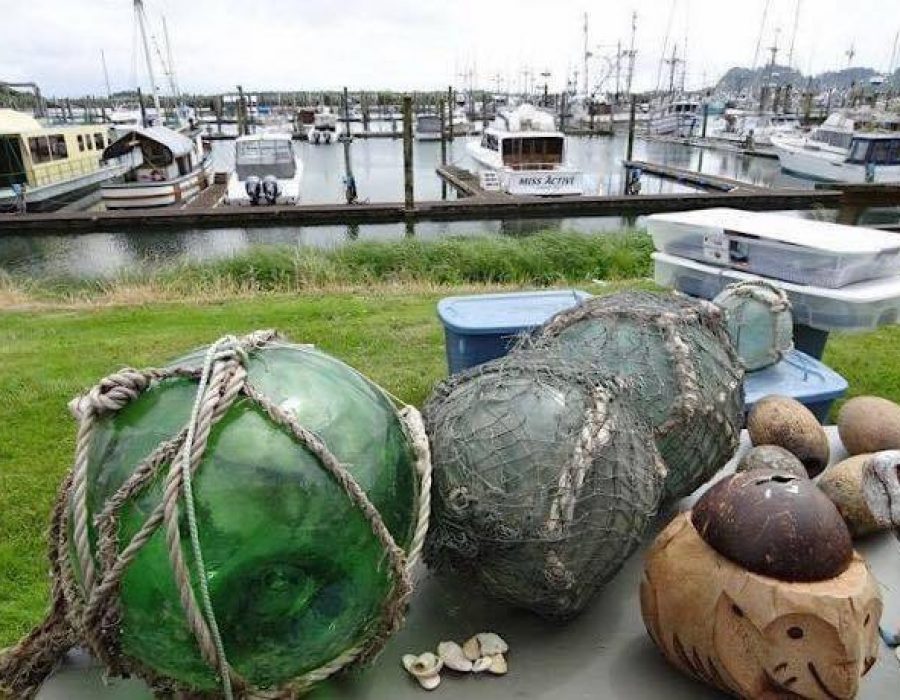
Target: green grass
x=542, y=259
x=50, y=356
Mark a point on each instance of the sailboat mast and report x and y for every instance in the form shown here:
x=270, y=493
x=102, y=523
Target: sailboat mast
x=172, y=77
x=890, y=70
x=142, y=21
x=105, y=74
x=631, y=53
x=794, y=35
x=587, y=55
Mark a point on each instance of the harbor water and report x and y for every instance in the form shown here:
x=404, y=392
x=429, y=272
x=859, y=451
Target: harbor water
x=378, y=169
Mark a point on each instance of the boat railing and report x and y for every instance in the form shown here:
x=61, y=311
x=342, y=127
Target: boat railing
x=51, y=173
x=534, y=166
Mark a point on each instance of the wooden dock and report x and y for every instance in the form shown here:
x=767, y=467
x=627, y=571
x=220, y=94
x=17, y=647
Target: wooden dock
x=465, y=182
x=693, y=178
x=209, y=198
x=711, y=144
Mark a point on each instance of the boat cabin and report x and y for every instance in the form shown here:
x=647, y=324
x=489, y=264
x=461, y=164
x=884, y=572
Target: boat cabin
x=524, y=151
x=265, y=154
x=875, y=149
x=35, y=156
x=158, y=154
x=685, y=107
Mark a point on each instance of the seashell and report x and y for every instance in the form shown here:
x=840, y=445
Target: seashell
x=424, y=666
x=498, y=665
x=453, y=657
x=491, y=644
x=482, y=664
x=472, y=649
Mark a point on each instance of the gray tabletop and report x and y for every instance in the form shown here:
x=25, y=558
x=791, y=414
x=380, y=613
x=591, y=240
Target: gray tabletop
x=604, y=653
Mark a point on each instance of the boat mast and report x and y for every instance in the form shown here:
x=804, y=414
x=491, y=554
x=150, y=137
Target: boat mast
x=890, y=69
x=794, y=35
x=176, y=90
x=631, y=53
x=142, y=22
x=587, y=56
x=105, y=74
x=665, y=47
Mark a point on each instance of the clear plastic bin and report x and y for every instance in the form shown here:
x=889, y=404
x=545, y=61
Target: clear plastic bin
x=857, y=307
x=779, y=246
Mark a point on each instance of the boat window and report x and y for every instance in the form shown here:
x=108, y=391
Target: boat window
x=98, y=142
x=859, y=151
x=489, y=141
x=12, y=169
x=895, y=152
x=536, y=151
x=89, y=142
x=265, y=157
x=81, y=142
x=39, y=147
x=881, y=152
x=58, y=147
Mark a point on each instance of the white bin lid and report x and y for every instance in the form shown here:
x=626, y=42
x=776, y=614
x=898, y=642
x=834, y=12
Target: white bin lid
x=781, y=228
x=869, y=292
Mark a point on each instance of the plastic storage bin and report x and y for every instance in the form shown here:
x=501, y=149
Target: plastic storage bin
x=857, y=307
x=801, y=377
x=775, y=245
x=483, y=327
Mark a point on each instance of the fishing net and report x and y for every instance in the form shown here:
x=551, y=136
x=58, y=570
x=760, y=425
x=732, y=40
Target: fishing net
x=545, y=481
x=759, y=321
x=674, y=353
x=243, y=521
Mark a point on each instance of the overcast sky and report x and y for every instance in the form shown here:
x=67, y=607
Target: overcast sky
x=420, y=44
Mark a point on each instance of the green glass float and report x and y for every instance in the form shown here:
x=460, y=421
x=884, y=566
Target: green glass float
x=296, y=574
x=759, y=321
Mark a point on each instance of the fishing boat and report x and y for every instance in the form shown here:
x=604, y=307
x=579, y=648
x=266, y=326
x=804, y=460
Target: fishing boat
x=52, y=166
x=842, y=150
x=677, y=118
x=754, y=129
x=428, y=126
x=165, y=167
x=324, y=127
x=522, y=153
x=266, y=171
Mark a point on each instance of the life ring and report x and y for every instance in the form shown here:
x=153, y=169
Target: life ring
x=157, y=176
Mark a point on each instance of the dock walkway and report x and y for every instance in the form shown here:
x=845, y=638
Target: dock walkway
x=695, y=179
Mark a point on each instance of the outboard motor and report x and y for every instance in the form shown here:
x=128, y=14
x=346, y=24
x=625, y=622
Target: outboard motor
x=270, y=188
x=254, y=189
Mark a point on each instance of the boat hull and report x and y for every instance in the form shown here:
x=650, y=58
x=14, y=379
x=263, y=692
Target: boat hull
x=824, y=167
x=59, y=194
x=146, y=195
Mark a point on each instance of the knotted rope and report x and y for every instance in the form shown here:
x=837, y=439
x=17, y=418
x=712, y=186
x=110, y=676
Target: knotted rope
x=88, y=612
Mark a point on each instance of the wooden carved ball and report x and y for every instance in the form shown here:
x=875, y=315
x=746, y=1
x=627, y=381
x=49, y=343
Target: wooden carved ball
x=754, y=636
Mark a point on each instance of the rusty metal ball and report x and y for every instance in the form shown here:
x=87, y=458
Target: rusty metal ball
x=775, y=524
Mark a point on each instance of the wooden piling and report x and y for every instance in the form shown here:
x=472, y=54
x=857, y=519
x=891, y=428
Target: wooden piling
x=443, y=144
x=450, y=104
x=705, y=118
x=408, y=191
x=629, y=150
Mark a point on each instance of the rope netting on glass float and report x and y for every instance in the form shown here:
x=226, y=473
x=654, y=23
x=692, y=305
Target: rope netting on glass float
x=545, y=480
x=674, y=355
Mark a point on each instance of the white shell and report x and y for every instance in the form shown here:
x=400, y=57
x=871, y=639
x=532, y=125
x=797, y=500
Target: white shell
x=491, y=644
x=498, y=665
x=482, y=664
x=422, y=666
x=430, y=682
x=453, y=657
x=472, y=649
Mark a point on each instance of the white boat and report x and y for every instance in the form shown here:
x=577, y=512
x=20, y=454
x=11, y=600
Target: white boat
x=266, y=171
x=522, y=153
x=324, y=127
x=54, y=164
x=754, y=129
x=837, y=151
x=165, y=168
x=428, y=126
x=677, y=118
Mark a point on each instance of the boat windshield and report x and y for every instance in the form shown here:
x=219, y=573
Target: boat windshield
x=533, y=152
x=838, y=139
x=265, y=157
x=875, y=151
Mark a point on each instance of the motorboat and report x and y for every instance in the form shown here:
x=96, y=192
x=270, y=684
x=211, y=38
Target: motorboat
x=677, y=118
x=324, y=127
x=266, y=171
x=165, y=167
x=428, y=126
x=842, y=150
x=523, y=153
x=44, y=168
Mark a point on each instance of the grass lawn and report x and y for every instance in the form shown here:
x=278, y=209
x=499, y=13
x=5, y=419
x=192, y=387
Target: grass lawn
x=50, y=355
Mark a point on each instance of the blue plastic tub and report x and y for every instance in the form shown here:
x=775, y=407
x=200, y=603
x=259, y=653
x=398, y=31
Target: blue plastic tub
x=801, y=377
x=484, y=327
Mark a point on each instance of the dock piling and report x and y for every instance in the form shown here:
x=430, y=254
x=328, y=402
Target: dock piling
x=408, y=191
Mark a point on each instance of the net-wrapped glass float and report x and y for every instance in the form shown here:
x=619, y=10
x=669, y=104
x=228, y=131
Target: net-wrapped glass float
x=759, y=321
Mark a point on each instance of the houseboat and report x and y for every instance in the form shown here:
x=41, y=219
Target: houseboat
x=841, y=150
x=165, y=168
x=266, y=171
x=522, y=153
x=53, y=166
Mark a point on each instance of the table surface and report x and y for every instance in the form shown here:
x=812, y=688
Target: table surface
x=604, y=653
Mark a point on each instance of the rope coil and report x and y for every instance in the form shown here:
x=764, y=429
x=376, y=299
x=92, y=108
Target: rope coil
x=89, y=612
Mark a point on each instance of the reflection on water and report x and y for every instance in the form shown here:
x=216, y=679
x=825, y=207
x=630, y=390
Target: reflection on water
x=377, y=165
